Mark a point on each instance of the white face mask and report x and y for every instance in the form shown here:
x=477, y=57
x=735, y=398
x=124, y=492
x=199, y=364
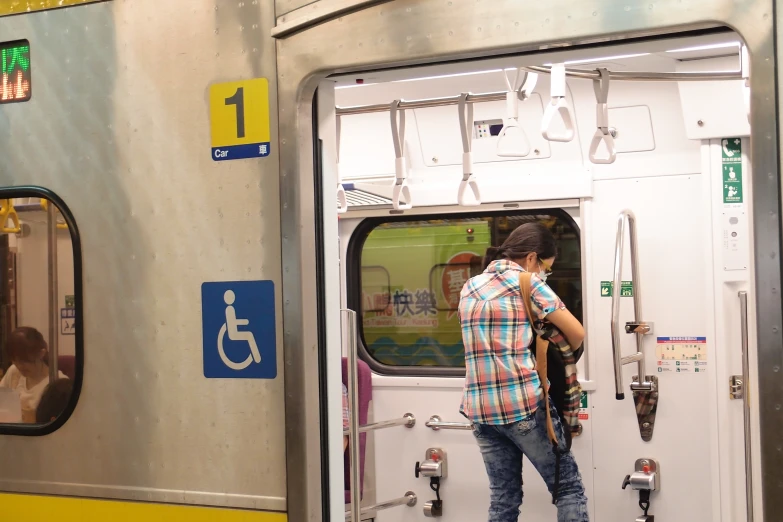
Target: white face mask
x=543, y=275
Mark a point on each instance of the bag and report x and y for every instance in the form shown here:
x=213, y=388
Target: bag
x=556, y=366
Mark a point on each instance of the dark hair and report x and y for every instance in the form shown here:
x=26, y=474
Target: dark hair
x=53, y=400
x=26, y=343
x=528, y=238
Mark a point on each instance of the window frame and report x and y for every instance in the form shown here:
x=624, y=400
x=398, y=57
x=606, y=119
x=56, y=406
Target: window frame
x=353, y=277
x=37, y=430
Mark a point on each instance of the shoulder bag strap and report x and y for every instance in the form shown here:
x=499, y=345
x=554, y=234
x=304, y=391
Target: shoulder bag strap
x=542, y=345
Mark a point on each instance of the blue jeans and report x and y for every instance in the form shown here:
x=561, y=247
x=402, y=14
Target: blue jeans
x=503, y=446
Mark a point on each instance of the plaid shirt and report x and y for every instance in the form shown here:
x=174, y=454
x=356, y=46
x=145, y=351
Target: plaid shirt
x=501, y=383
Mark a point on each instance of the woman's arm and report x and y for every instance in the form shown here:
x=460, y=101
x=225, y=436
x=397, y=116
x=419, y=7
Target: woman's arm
x=568, y=326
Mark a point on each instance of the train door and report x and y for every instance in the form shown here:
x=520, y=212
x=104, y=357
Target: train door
x=655, y=239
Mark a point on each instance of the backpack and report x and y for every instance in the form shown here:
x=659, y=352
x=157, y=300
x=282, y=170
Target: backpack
x=556, y=366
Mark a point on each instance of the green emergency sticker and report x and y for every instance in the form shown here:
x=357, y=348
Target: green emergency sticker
x=731, y=166
x=583, y=401
x=626, y=288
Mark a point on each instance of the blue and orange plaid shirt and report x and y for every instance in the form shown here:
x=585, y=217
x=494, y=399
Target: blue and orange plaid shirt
x=501, y=383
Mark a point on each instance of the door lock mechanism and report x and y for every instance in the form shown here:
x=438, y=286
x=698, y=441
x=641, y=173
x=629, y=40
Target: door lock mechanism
x=434, y=468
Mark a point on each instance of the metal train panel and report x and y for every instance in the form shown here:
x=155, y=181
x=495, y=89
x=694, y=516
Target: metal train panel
x=118, y=126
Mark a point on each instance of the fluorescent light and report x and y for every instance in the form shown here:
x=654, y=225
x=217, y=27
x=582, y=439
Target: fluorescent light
x=603, y=58
x=705, y=47
x=353, y=86
x=448, y=76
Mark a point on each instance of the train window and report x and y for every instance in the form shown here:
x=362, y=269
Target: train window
x=40, y=312
x=407, y=276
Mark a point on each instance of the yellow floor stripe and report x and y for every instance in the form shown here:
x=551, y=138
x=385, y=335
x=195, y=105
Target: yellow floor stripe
x=34, y=508
x=8, y=7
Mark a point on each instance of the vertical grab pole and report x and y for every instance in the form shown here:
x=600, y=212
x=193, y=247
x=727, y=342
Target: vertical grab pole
x=616, y=281
x=743, y=297
x=353, y=417
x=54, y=320
x=637, y=293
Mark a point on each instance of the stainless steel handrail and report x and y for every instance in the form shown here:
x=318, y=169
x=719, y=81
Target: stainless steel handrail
x=639, y=327
x=349, y=317
x=743, y=297
x=436, y=424
x=408, y=420
x=575, y=73
x=54, y=319
x=409, y=500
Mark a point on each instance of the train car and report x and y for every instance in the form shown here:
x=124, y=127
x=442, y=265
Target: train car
x=214, y=216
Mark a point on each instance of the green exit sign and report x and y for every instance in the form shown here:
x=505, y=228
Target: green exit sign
x=17, y=85
x=626, y=289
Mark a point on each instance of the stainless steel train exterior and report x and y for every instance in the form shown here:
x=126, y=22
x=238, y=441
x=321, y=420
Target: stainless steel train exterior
x=119, y=128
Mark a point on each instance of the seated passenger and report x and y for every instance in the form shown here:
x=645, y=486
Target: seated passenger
x=28, y=374
x=53, y=400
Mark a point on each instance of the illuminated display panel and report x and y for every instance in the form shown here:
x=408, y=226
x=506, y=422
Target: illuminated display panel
x=17, y=78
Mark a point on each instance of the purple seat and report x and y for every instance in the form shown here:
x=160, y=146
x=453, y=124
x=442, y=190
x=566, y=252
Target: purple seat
x=67, y=365
x=365, y=396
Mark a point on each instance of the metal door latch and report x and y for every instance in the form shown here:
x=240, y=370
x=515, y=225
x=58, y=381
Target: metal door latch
x=736, y=387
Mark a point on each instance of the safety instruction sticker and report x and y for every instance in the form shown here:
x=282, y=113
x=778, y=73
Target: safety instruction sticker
x=583, y=414
x=67, y=321
x=682, y=354
x=626, y=288
x=731, y=164
x=239, y=119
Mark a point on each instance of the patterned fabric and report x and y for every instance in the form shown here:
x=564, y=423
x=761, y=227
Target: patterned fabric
x=501, y=383
x=345, y=407
x=572, y=390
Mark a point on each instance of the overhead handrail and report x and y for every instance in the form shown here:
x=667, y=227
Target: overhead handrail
x=8, y=215
x=743, y=297
x=581, y=74
x=601, y=88
x=558, y=105
x=512, y=140
x=638, y=327
x=409, y=499
x=408, y=420
x=465, y=109
x=401, y=189
x=342, y=200
x=745, y=70
x=435, y=424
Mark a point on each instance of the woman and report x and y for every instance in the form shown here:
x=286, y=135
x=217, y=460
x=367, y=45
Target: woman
x=29, y=373
x=503, y=397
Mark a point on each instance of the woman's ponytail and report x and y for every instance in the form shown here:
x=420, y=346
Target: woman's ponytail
x=493, y=254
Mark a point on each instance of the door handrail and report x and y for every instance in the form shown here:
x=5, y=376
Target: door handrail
x=743, y=297
x=638, y=327
x=409, y=499
x=408, y=420
x=435, y=424
x=349, y=317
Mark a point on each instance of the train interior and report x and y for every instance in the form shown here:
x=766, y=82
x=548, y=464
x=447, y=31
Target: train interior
x=37, y=293
x=434, y=164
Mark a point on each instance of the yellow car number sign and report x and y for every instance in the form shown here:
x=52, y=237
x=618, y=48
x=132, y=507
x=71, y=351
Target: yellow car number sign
x=239, y=119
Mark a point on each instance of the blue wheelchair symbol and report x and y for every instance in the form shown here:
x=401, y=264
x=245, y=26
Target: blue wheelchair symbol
x=239, y=340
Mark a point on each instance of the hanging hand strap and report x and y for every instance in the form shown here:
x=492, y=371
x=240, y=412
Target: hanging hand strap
x=558, y=105
x=468, y=179
x=601, y=88
x=512, y=140
x=342, y=200
x=401, y=195
x=8, y=216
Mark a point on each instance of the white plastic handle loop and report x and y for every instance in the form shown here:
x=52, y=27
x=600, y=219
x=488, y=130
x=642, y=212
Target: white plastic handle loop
x=468, y=179
x=512, y=140
x=558, y=105
x=745, y=66
x=401, y=194
x=601, y=88
x=342, y=200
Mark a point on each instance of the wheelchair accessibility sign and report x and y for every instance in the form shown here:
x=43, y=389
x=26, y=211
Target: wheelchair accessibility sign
x=238, y=322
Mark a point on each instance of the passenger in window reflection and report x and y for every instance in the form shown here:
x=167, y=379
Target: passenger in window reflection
x=28, y=374
x=503, y=397
x=53, y=400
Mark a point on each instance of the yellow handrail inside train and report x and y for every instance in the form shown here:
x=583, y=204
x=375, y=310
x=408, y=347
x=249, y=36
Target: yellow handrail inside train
x=8, y=214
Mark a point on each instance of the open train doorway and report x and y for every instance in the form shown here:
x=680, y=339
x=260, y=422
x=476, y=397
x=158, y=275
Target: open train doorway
x=635, y=156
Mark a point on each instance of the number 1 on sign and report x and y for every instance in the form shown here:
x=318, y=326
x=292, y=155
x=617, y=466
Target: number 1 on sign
x=238, y=99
